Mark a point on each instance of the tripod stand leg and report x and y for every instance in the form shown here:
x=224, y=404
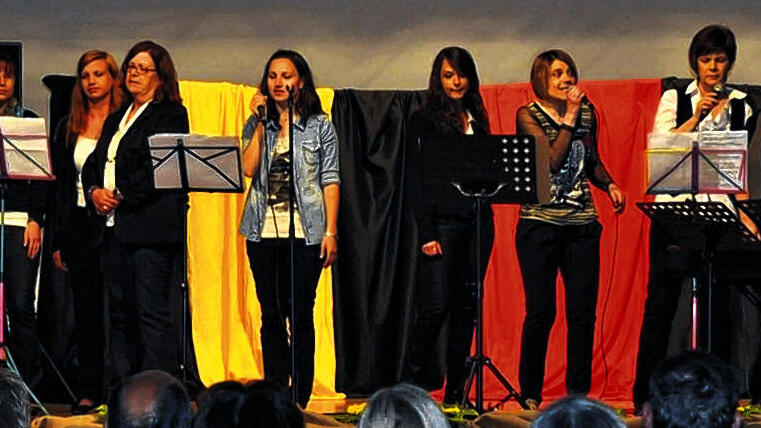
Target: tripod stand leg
x=512, y=392
x=471, y=370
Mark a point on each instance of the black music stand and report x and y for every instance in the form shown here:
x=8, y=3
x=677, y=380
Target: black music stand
x=24, y=155
x=484, y=169
x=193, y=163
x=708, y=227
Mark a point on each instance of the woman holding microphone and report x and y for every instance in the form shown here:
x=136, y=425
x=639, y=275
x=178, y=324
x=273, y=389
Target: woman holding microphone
x=564, y=234
x=266, y=215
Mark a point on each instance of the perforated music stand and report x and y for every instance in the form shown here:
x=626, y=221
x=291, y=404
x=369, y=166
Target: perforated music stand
x=194, y=163
x=484, y=168
x=708, y=227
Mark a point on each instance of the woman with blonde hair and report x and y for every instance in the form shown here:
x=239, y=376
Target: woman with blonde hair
x=96, y=94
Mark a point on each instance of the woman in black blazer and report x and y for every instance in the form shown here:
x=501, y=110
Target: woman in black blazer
x=138, y=228
x=97, y=94
x=446, y=230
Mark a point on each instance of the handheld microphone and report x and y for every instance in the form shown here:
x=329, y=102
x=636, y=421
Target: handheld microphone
x=721, y=90
x=261, y=113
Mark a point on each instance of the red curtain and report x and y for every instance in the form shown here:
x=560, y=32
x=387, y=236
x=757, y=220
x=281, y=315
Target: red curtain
x=625, y=113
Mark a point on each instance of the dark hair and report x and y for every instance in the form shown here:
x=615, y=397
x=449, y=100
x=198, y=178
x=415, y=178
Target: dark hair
x=402, y=405
x=712, y=39
x=449, y=111
x=150, y=399
x=540, y=70
x=693, y=389
x=307, y=103
x=578, y=412
x=169, y=89
x=14, y=399
x=10, y=64
x=231, y=404
x=79, y=105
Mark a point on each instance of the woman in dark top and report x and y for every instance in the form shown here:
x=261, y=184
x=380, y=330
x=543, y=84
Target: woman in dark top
x=564, y=234
x=97, y=94
x=138, y=228
x=25, y=204
x=445, y=287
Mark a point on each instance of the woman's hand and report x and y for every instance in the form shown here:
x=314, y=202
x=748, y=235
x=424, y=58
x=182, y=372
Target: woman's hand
x=58, y=261
x=104, y=200
x=259, y=100
x=32, y=237
x=573, y=97
x=705, y=104
x=432, y=248
x=329, y=250
x=617, y=197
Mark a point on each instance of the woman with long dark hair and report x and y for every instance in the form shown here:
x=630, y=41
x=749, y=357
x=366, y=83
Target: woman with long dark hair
x=265, y=220
x=139, y=230
x=564, y=234
x=453, y=106
x=97, y=94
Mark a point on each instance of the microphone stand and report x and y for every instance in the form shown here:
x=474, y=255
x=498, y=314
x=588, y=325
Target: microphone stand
x=292, y=245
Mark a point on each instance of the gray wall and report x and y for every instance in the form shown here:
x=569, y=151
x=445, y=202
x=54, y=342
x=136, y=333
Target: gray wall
x=388, y=44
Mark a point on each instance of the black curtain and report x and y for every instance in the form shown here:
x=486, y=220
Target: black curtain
x=375, y=274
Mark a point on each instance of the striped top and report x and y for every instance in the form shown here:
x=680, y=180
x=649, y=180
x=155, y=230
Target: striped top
x=571, y=199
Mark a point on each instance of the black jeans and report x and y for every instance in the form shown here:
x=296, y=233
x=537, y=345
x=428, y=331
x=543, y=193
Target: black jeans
x=270, y=262
x=20, y=281
x=82, y=260
x=543, y=249
x=137, y=280
x=446, y=288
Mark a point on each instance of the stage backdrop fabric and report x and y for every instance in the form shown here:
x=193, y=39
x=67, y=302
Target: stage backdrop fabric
x=374, y=286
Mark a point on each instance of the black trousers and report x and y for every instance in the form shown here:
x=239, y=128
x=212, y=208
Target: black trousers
x=670, y=265
x=543, y=250
x=82, y=260
x=446, y=289
x=270, y=262
x=140, y=336
x=20, y=281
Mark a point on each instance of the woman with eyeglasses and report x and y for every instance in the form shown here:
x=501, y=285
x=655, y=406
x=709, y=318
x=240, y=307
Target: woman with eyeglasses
x=139, y=229
x=97, y=94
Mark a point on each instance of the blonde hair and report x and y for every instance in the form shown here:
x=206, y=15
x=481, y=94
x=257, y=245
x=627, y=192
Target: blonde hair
x=79, y=106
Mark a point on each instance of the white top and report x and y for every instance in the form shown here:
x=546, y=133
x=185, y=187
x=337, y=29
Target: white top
x=82, y=149
x=665, y=121
x=471, y=120
x=665, y=118
x=109, y=172
x=277, y=219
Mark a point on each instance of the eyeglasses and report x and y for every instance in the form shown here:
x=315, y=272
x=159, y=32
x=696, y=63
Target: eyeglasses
x=139, y=69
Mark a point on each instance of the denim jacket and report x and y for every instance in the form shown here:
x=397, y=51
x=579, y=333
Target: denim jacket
x=315, y=165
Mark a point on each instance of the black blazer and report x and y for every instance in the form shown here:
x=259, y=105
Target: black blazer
x=144, y=216
x=424, y=122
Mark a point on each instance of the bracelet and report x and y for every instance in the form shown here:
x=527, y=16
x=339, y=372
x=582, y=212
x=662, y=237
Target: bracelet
x=90, y=191
x=331, y=234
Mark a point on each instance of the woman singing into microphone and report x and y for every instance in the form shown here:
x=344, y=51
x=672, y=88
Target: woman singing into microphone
x=266, y=215
x=563, y=235
x=705, y=104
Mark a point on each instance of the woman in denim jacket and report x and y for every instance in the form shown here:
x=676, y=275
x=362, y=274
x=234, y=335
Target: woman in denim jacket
x=265, y=220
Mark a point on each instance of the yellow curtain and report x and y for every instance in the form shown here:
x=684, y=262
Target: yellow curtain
x=224, y=309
